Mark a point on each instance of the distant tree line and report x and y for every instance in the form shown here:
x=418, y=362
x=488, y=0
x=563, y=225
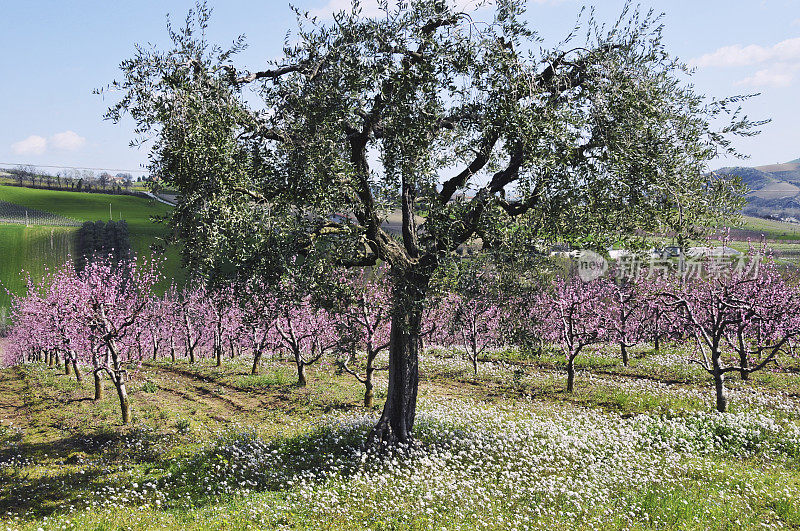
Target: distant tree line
x=102, y=239
x=73, y=180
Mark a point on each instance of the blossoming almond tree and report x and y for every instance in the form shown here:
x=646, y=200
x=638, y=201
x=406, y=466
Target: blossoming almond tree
x=363, y=318
x=474, y=323
x=306, y=331
x=113, y=298
x=193, y=318
x=750, y=310
x=260, y=311
x=625, y=314
x=574, y=314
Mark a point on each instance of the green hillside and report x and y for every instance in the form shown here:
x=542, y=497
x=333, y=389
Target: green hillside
x=774, y=189
x=769, y=228
x=35, y=248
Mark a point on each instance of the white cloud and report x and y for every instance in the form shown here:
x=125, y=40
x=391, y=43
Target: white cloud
x=778, y=63
x=33, y=145
x=67, y=141
x=738, y=55
x=778, y=77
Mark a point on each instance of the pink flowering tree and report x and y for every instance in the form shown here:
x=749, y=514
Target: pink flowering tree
x=259, y=311
x=220, y=313
x=657, y=318
x=156, y=324
x=474, y=322
x=625, y=313
x=113, y=298
x=363, y=319
x=303, y=328
x=59, y=310
x=193, y=318
x=573, y=314
x=741, y=306
x=47, y=319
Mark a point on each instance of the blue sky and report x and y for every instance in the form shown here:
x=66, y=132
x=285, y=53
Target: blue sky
x=54, y=53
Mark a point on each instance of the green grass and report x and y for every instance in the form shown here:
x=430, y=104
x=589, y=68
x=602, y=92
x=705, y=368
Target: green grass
x=210, y=448
x=209, y=445
x=90, y=207
x=778, y=230
x=30, y=248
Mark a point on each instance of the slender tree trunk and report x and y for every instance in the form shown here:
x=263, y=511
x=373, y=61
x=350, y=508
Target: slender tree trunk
x=474, y=346
x=118, y=377
x=399, y=410
x=624, y=350
x=571, y=374
x=67, y=366
x=657, y=341
x=719, y=388
x=122, y=392
x=78, y=375
x=218, y=349
x=98, y=386
x=172, y=348
x=744, y=363
x=369, y=395
x=256, y=361
x=301, y=370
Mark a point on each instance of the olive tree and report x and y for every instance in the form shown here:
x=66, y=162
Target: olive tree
x=401, y=138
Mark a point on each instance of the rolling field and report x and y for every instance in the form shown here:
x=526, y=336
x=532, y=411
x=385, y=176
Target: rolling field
x=752, y=227
x=37, y=247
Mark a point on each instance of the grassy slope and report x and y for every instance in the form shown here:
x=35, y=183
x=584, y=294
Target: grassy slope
x=779, y=230
x=27, y=247
x=62, y=450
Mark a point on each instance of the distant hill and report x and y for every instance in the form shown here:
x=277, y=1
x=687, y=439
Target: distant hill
x=38, y=228
x=774, y=189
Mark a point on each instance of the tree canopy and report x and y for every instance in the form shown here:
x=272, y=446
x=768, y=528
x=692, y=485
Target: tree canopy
x=468, y=130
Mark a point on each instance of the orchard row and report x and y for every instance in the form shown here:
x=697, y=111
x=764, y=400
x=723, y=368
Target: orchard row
x=106, y=317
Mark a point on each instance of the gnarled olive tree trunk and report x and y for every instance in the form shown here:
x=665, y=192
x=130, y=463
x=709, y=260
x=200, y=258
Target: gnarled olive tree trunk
x=399, y=411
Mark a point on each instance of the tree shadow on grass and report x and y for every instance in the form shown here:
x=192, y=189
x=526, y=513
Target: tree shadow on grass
x=242, y=459
x=40, y=478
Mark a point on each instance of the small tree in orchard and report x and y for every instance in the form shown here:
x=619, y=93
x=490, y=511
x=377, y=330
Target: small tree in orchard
x=59, y=310
x=221, y=316
x=470, y=303
x=114, y=297
x=363, y=318
x=744, y=307
x=479, y=138
x=171, y=326
x=304, y=329
x=626, y=312
x=193, y=318
x=657, y=317
x=33, y=336
x=260, y=310
x=155, y=323
x=574, y=315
